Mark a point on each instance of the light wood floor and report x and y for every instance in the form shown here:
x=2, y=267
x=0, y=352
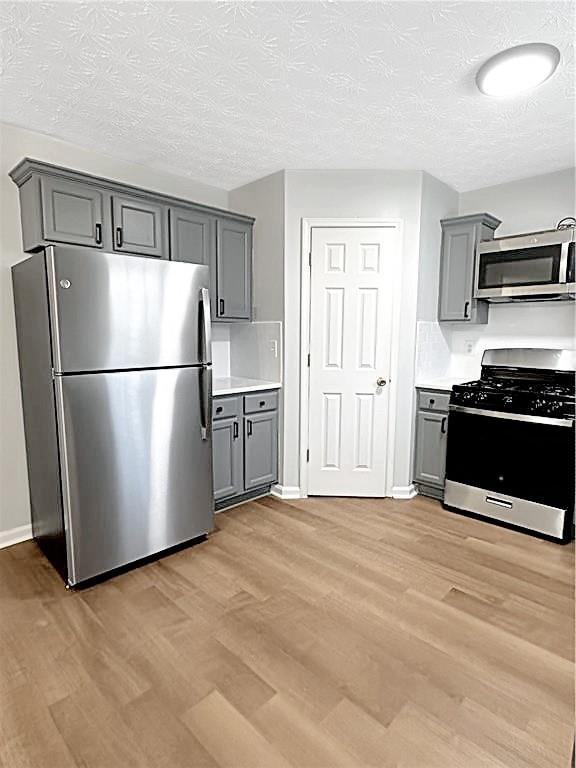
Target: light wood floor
x=318, y=633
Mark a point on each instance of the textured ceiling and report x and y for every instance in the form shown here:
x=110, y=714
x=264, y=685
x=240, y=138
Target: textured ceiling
x=229, y=92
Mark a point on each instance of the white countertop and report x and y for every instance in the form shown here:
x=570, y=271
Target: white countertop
x=232, y=385
x=445, y=384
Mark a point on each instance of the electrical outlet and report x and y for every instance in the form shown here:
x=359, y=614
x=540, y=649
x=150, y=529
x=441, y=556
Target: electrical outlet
x=469, y=347
x=273, y=346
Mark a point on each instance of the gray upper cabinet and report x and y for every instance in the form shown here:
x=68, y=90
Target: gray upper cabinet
x=227, y=458
x=139, y=226
x=192, y=236
x=260, y=449
x=72, y=212
x=66, y=206
x=430, y=457
x=232, y=295
x=460, y=236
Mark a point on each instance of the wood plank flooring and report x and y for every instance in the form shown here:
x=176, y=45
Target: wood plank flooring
x=314, y=634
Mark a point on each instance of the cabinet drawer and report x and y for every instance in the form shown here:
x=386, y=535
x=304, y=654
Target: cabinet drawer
x=261, y=401
x=225, y=407
x=433, y=401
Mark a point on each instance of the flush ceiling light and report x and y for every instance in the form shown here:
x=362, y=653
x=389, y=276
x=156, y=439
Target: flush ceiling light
x=517, y=69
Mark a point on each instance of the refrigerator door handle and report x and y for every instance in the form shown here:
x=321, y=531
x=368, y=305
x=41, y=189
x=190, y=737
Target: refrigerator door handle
x=206, y=326
x=205, y=402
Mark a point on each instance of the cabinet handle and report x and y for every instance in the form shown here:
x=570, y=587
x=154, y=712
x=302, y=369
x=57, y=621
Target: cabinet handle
x=98, y=235
x=219, y=409
x=119, y=237
x=443, y=425
x=221, y=305
x=466, y=306
x=262, y=403
x=249, y=428
x=235, y=431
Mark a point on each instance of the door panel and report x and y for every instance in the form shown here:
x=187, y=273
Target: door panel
x=458, y=247
x=228, y=459
x=139, y=226
x=233, y=269
x=71, y=212
x=431, y=448
x=137, y=476
x=192, y=236
x=260, y=449
x=120, y=312
x=350, y=343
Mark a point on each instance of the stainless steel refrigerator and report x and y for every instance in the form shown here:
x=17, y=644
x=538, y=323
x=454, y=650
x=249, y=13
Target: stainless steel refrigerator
x=115, y=369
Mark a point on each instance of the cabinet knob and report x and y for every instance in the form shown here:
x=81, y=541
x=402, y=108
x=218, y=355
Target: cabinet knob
x=119, y=240
x=380, y=382
x=219, y=409
x=466, y=308
x=98, y=234
x=262, y=403
x=221, y=306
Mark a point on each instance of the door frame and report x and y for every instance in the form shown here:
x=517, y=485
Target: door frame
x=308, y=224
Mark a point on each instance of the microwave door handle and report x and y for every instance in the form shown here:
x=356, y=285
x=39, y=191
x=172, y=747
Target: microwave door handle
x=206, y=326
x=563, y=273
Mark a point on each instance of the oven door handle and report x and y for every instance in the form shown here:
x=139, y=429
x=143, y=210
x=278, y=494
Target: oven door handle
x=551, y=421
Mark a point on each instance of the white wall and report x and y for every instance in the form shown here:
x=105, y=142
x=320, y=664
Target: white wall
x=349, y=194
x=16, y=143
x=438, y=201
x=526, y=205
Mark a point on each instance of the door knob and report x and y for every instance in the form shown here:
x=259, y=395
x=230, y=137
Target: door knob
x=381, y=382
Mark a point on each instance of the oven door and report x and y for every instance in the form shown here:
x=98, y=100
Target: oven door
x=513, y=468
x=524, y=267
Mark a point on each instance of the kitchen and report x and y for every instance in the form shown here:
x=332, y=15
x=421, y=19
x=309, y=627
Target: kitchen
x=264, y=230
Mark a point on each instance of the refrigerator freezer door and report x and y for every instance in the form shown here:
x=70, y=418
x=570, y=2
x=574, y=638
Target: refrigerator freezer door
x=110, y=311
x=136, y=473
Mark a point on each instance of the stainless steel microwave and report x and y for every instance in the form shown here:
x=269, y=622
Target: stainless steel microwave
x=534, y=266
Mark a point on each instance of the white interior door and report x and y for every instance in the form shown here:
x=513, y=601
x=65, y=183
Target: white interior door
x=350, y=345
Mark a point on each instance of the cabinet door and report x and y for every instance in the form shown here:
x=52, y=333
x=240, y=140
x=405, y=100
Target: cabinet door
x=192, y=236
x=431, y=447
x=71, y=212
x=139, y=226
x=233, y=270
x=456, y=279
x=227, y=458
x=260, y=449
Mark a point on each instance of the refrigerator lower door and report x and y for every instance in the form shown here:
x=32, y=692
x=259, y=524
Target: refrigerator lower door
x=136, y=464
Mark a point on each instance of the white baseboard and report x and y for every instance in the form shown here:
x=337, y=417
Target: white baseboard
x=286, y=491
x=15, y=535
x=404, y=491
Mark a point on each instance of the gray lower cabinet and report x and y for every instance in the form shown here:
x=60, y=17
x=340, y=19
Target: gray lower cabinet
x=460, y=236
x=227, y=447
x=232, y=288
x=72, y=212
x=245, y=446
x=139, y=226
x=431, y=435
x=260, y=449
x=192, y=236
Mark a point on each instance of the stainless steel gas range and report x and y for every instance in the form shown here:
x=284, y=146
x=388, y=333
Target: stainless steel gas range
x=510, y=454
